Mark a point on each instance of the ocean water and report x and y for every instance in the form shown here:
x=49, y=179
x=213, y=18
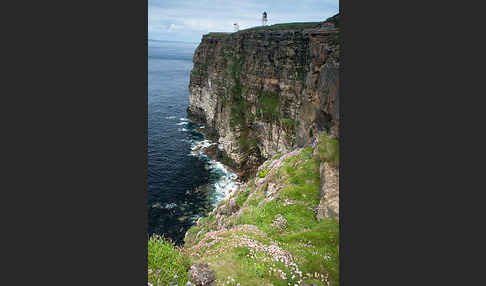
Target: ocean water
x=183, y=184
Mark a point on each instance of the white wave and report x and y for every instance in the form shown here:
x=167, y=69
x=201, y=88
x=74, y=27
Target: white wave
x=164, y=206
x=170, y=206
x=184, y=119
x=197, y=145
x=182, y=123
x=182, y=129
x=170, y=117
x=227, y=181
x=194, y=218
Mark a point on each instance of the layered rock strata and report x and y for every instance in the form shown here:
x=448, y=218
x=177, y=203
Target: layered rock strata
x=264, y=92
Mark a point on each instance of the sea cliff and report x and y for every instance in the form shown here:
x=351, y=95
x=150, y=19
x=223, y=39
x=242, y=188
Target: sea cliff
x=266, y=90
x=269, y=97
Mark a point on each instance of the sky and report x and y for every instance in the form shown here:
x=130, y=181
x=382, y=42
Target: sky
x=188, y=20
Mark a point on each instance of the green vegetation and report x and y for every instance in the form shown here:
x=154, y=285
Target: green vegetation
x=200, y=74
x=237, y=267
x=242, y=196
x=298, y=216
x=302, y=178
x=334, y=19
x=334, y=39
x=239, y=105
x=290, y=125
x=276, y=27
x=267, y=106
x=324, y=237
x=301, y=74
x=166, y=263
x=247, y=141
x=328, y=149
x=240, y=108
x=217, y=35
x=263, y=173
x=283, y=26
x=276, y=157
x=274, y=237
x=227, y=160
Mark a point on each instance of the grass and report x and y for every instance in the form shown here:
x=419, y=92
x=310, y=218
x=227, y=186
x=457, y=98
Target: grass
x=276, y=157
x=217, y=35
x=239, y=105
x=240, y=108
x=297, y=215
x=328, y=149
x=334, y=39
x=263, y=173
x=324, y=237
x=283, y=26
x=247, y=142
x=267, y=105
x=234, y=266
x=276, y=27
x=166, y=262
x=301, y=169
x=313, y=244
x=334, y=19
x=255, y=199
x=302, y=178
x=200, y=74
x=241, y=199
x=289, y=124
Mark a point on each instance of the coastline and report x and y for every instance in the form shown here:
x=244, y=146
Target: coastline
x=229, y=179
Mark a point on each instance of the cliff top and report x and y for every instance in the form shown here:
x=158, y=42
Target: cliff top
x=276, y=27
x=283, y=26
x=334, y=20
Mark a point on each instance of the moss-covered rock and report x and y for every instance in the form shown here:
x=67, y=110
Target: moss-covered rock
x=328, y=148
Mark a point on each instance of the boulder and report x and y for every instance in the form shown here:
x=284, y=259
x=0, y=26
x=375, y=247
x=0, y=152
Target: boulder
x=201, y=275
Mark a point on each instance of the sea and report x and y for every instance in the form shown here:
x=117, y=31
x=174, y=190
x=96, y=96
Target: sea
x=183, y=183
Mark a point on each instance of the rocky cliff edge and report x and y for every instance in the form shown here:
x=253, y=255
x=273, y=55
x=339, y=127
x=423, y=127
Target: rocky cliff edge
x=266, y=90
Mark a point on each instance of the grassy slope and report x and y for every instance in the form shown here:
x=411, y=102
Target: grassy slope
x=246, y=248
x=166, y=263
x=249, y=250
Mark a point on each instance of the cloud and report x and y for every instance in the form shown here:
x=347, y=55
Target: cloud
x=188, y=20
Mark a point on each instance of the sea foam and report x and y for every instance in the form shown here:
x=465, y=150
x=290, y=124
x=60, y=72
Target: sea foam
x=227, y=180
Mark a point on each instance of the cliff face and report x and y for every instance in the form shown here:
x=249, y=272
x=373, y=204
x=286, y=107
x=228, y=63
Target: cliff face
x=261, y=92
